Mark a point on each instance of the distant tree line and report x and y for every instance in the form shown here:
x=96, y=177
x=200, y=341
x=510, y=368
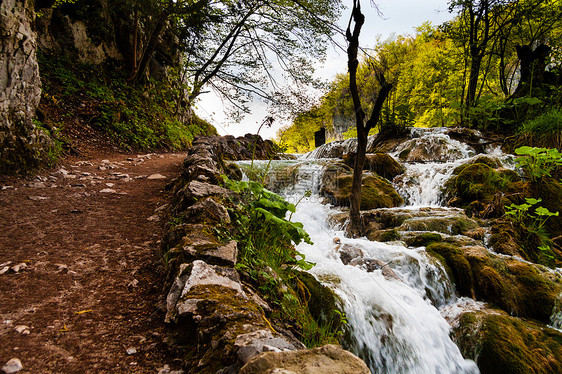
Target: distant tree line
x=495, y=66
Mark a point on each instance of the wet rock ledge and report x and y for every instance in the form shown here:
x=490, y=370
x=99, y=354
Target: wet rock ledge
x=219, y=323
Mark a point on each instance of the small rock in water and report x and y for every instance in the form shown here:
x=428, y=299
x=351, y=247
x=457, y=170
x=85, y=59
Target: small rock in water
x=4, y=269
x=156, y=176
x=131, y=351
x=108, y=190
x=12, y=366
x=22, y=329
x=110, y=184
x=37, y=185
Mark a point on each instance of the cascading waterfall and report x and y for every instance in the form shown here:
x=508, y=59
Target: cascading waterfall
x=396, y=326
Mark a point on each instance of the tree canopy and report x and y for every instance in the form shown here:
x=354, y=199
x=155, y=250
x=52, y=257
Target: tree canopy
x=481, y=69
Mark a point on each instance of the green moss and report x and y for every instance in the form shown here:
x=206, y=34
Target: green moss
x=517, y=240
x=503, y=344
x=376, y=192
x=536, y=296
x=424, y=239
x=225, y=316
x=320, y=300
x=486, y=160
x=446, y=225
x=490, y=286
x=479, y=182
x=133, y=117
x=458, y=267
x=380, y=163
x=383, y=235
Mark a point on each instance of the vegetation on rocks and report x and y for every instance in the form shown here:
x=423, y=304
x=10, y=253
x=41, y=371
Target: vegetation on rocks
x=519, y=288
x=268, y=259
x=376, y=192
x=380, y=163
x=78, y=96
x=501, y=343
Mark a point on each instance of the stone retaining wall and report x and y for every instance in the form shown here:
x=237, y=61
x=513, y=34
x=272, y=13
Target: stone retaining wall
x=219, y=319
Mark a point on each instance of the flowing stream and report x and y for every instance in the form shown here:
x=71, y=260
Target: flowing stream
x=395, y=325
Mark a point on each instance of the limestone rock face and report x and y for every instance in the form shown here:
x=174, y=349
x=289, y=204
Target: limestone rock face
x=21, y=143
x=328, y=359
x=88, y=39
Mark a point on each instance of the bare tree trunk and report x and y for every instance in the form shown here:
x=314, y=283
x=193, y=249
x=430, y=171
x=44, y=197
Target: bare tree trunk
x=135, y=44
x=150, y=47
x=355, y=227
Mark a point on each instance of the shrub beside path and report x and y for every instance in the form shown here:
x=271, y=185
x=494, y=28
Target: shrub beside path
x=79, y=268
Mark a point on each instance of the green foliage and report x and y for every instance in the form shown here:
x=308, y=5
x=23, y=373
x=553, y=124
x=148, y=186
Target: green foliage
x=538, y=162
x=521, y=214
x=140, y=118
x=53, y=152
x=267, y=255
x=544, y=130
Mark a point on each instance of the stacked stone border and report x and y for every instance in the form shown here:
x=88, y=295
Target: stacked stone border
x=219, y=321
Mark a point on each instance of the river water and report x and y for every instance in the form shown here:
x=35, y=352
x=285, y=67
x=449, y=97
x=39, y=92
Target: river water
x=395, y=325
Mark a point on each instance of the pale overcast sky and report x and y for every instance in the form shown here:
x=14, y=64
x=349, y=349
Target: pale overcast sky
x=399, y=17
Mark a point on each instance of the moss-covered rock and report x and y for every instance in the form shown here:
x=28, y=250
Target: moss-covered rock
x=519, y=288
x=456, y=265
x=452, y=225
x=381, y=163
x=331, y=174
x=479, y=182
x=550, y=191
x=376, y=192
x=480, y=189
x=388, y=235
x=492, y=162
x=514, y=239
x=503, y=344
x=424, y=239
x=321, y=300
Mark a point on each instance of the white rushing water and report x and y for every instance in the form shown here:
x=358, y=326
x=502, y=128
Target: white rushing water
x=395, y=325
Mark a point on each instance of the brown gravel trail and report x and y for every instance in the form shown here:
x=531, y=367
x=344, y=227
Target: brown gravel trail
x=86, y=298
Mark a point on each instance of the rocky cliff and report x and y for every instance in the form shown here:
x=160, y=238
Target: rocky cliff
x=22, y=144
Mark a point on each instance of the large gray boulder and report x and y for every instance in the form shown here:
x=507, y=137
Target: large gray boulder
x=22, y=144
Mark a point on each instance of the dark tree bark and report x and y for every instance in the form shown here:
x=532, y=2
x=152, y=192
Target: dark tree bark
x=148, y=52
x=355, y=227
x=533, y=69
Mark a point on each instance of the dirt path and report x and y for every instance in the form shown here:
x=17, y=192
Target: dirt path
x=85, y=300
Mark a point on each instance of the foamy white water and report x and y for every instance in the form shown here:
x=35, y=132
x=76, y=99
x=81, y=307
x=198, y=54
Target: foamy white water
x=394, y=326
